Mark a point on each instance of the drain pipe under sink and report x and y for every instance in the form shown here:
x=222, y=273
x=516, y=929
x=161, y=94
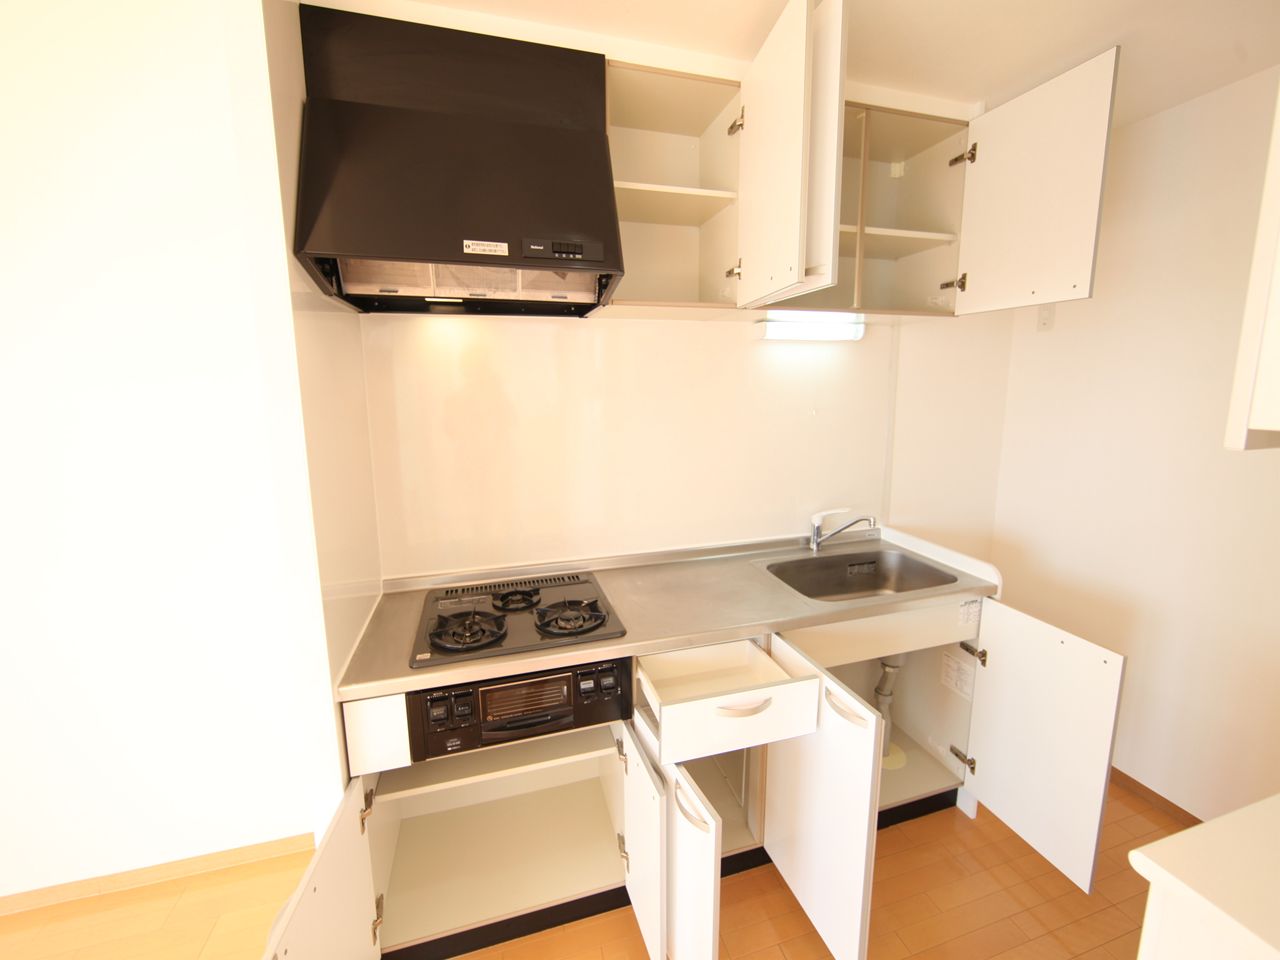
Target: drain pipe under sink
x=889, y=668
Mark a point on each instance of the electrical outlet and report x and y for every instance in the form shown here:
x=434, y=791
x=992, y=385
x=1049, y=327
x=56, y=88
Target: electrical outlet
x=1044, y=318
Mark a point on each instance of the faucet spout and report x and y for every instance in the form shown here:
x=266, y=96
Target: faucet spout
x=817, y=537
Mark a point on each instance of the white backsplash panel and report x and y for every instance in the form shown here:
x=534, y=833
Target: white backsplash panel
x=506, y=440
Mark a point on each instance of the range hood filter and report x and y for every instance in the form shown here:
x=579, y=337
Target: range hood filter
x=451, y=281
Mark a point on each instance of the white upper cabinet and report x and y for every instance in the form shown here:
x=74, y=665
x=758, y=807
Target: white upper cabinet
x=1033, y=192
x=1040, y=736
x=774, y=161
x=793, y=128
x=727, y=192
x=1253, y=419
x=937, y=216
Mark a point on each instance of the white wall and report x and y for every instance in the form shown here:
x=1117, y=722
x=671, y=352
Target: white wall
x=163, y=691
x=1119, y=515
x=500, y=441
x=331, y=378
x=952, y=377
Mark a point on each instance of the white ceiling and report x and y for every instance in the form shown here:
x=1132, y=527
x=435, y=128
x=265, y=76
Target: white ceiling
x=992, y=50
x=978, y=50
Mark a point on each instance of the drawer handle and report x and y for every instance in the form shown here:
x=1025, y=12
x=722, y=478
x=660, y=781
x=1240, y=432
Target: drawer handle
x=750, y=711
x=844, y=711
x=684, y=811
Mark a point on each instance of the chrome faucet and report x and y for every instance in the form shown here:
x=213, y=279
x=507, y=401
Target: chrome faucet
x=817, y=537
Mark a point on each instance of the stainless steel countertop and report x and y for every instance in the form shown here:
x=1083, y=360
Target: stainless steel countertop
x=679, y=599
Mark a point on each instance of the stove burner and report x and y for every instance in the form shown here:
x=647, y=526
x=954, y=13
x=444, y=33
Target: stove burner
x=511, y=601
x=569, y=618
x=468, y=631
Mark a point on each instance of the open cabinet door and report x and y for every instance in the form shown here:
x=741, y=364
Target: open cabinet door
x=828, y=44
x=1044, y=716
x=693, y=870
x=331, y=915
x=773, y=161
x=1033, y=192
x=821, y=795
x=644, y=837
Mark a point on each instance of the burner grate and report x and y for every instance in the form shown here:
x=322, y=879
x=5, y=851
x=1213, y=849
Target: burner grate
x=569, y=618
x=506, y=586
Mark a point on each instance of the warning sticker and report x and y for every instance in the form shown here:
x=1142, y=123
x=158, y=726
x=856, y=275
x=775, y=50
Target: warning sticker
x=958, y=673
x=492, y=248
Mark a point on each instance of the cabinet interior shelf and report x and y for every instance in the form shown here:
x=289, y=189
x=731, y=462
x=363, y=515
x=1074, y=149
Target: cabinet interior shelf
x=663, y=203
x=890, y=243
x=923, y=775
x=565, y=831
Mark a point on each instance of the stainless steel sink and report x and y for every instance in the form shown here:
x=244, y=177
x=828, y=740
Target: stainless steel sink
x=851, y=576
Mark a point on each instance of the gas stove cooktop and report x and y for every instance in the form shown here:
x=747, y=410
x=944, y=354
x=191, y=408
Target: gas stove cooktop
x=512, y=616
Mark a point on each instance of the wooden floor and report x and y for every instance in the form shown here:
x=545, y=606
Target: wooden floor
x=946, y=888
x=219, y=915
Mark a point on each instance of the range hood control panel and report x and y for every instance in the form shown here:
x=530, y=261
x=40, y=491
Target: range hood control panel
x=563, y=249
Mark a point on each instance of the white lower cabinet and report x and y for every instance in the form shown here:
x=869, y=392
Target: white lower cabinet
x=731, y=746
x=1017, y=714
x=443, y=846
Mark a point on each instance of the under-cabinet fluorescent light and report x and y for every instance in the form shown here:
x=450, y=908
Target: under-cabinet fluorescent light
x=813, y=325
x=443, y=299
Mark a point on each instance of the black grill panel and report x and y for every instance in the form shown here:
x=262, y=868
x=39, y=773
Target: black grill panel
x=534, y=583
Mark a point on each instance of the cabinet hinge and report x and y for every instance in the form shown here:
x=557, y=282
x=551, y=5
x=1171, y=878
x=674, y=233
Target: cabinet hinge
x=739, y=123
x=971, y=155
x=959, y=283
x=622, y=852
x=377, y=918
x=622, y=755
x=964, y=758
x=735, y=271
x=367, y=810
x=971, y=650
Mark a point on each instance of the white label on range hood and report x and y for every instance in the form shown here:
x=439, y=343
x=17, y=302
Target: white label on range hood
x=490, y=248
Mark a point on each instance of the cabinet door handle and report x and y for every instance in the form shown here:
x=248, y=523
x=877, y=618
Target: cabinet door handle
x=750, y=711
x=844, y=711
x=684, y=811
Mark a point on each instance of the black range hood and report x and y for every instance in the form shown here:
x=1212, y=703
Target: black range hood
x=453, y=172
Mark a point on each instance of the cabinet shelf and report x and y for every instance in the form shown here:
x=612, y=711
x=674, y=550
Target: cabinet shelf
x=923, y=775
x=562, y=838
x=890, y=243
x=711, y=781
x=663, y=203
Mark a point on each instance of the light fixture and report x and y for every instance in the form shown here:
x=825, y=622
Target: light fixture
x=813, y=325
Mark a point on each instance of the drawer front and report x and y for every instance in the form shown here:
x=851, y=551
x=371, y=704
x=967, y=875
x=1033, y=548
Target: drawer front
x=734, y=721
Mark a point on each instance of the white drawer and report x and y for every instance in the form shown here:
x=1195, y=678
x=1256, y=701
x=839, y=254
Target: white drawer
x=724, y=697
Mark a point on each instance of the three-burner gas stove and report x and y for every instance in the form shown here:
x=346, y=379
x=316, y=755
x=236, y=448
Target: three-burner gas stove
x=512, y=616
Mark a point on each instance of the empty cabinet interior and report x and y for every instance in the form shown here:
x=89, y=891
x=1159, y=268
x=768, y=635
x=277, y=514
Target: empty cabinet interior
x=675, y=167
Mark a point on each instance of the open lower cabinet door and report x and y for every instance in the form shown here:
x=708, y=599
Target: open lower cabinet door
x=332, y=915
x=693, y=870
x=1033, y=192
x=645, y=843
x=1040, y=736
x=820, y=809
